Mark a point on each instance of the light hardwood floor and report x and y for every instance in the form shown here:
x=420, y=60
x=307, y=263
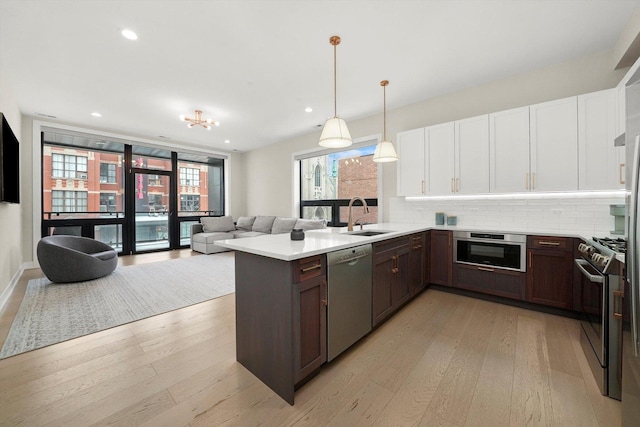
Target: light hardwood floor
x=442, y=360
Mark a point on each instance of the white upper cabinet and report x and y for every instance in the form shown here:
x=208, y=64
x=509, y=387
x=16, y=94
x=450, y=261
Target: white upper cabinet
x=509, y=151
x=562, y=145
x=554, y=145
x=472, y=155
x=598, y=166
x=411, y=163
x=441, y=159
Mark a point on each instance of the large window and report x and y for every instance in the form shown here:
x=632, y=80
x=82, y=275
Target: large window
x=329, y=181
x=68, y=166
x=108, y=173
x=124, y=194
x=69, y=201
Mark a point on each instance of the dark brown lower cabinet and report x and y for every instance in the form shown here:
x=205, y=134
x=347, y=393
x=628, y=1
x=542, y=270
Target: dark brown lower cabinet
x=550, y=271
x=417, y=249
x=390, y=277
x=493, y=281
x=441, y=257
x=309, y=326
x=281, y=319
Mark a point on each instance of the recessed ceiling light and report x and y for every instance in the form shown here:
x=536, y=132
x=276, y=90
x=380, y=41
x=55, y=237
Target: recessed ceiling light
x=128, y=34
x=226, y=141
x=308, y=109
x=96, y=114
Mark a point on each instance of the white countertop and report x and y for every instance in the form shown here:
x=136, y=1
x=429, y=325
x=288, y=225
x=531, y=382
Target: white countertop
x=280, y=246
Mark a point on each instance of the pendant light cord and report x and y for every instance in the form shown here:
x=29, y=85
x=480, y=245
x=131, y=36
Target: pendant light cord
x=384, y=112
x=384, y=84
x=335, y=83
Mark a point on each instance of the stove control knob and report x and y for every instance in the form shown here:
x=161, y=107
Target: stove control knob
x=597, y=258
x=604, y=260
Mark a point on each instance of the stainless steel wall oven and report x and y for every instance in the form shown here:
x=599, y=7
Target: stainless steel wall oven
x=507, y=251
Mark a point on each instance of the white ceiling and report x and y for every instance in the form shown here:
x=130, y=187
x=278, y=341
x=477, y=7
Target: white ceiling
x=256, y=65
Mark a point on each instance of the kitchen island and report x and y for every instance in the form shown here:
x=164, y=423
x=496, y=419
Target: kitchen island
x=281, y=297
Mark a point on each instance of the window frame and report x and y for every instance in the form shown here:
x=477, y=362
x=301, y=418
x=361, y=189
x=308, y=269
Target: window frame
x=334, y=204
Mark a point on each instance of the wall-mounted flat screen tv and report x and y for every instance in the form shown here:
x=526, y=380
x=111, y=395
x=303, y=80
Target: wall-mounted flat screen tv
x=9, y=164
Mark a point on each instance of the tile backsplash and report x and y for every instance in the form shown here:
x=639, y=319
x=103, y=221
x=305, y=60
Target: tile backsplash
x=582, y=215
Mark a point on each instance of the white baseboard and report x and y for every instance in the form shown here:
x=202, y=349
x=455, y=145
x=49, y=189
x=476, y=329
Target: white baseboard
x=4, y=297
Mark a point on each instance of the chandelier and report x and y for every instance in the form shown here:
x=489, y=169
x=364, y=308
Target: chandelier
x=199, y=121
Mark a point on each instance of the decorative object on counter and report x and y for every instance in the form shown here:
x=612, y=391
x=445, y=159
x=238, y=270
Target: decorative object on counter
x=385, y=152
x=452, y=220
x=440, y=218
x=335, y=133
x=618, y=212
x=297, y=234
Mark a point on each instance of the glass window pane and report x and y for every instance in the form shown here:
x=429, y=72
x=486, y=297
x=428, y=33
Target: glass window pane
x=201, y=189
x=82, y=181
x=341, y=175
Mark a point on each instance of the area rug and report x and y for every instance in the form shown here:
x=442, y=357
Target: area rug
x=51, y=313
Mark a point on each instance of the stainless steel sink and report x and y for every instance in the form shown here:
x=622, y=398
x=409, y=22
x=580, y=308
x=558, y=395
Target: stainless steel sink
x=367, y=233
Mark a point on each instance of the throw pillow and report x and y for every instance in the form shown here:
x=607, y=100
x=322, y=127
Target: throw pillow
x=213, y=224
x=310, y=224
x=245, y=223
x=263, y=224
x=283, y=225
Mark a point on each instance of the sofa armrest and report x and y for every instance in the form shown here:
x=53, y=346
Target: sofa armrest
x=196, y=228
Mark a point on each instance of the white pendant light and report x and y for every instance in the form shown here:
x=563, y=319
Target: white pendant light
x=385, y=152
x=335, y=133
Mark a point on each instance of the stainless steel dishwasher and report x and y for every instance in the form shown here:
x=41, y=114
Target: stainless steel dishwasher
x=349, y=298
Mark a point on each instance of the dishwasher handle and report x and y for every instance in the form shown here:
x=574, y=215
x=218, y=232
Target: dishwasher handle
x=351, y=260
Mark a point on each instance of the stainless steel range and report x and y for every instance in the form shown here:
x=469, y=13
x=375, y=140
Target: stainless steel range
x=601, y=307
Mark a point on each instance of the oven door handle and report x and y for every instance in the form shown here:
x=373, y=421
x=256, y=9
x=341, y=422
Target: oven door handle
x=594, y=278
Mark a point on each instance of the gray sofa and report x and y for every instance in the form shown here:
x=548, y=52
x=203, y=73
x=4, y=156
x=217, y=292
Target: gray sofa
x=210, y=229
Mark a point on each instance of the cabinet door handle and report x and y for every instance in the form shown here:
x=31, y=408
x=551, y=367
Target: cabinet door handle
x=323, y=302
x=621, y=174
x=422, y=186
x=526, y=181
x=394, y=270
x=452, y=188
x=617, y=304
x=533, y=177
x=416, y=247
x=457, y=185
x=313, y=267
x=490, y=270
x=546, y=243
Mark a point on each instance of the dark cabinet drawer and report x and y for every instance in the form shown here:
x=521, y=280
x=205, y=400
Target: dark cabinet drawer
x=308, y=268
x=550, y=242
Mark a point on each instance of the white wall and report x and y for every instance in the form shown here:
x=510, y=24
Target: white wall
x=270, y=168
x=579, y=215
x=11, y=224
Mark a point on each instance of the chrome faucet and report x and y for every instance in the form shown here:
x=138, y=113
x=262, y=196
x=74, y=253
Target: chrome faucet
x=366, y=211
